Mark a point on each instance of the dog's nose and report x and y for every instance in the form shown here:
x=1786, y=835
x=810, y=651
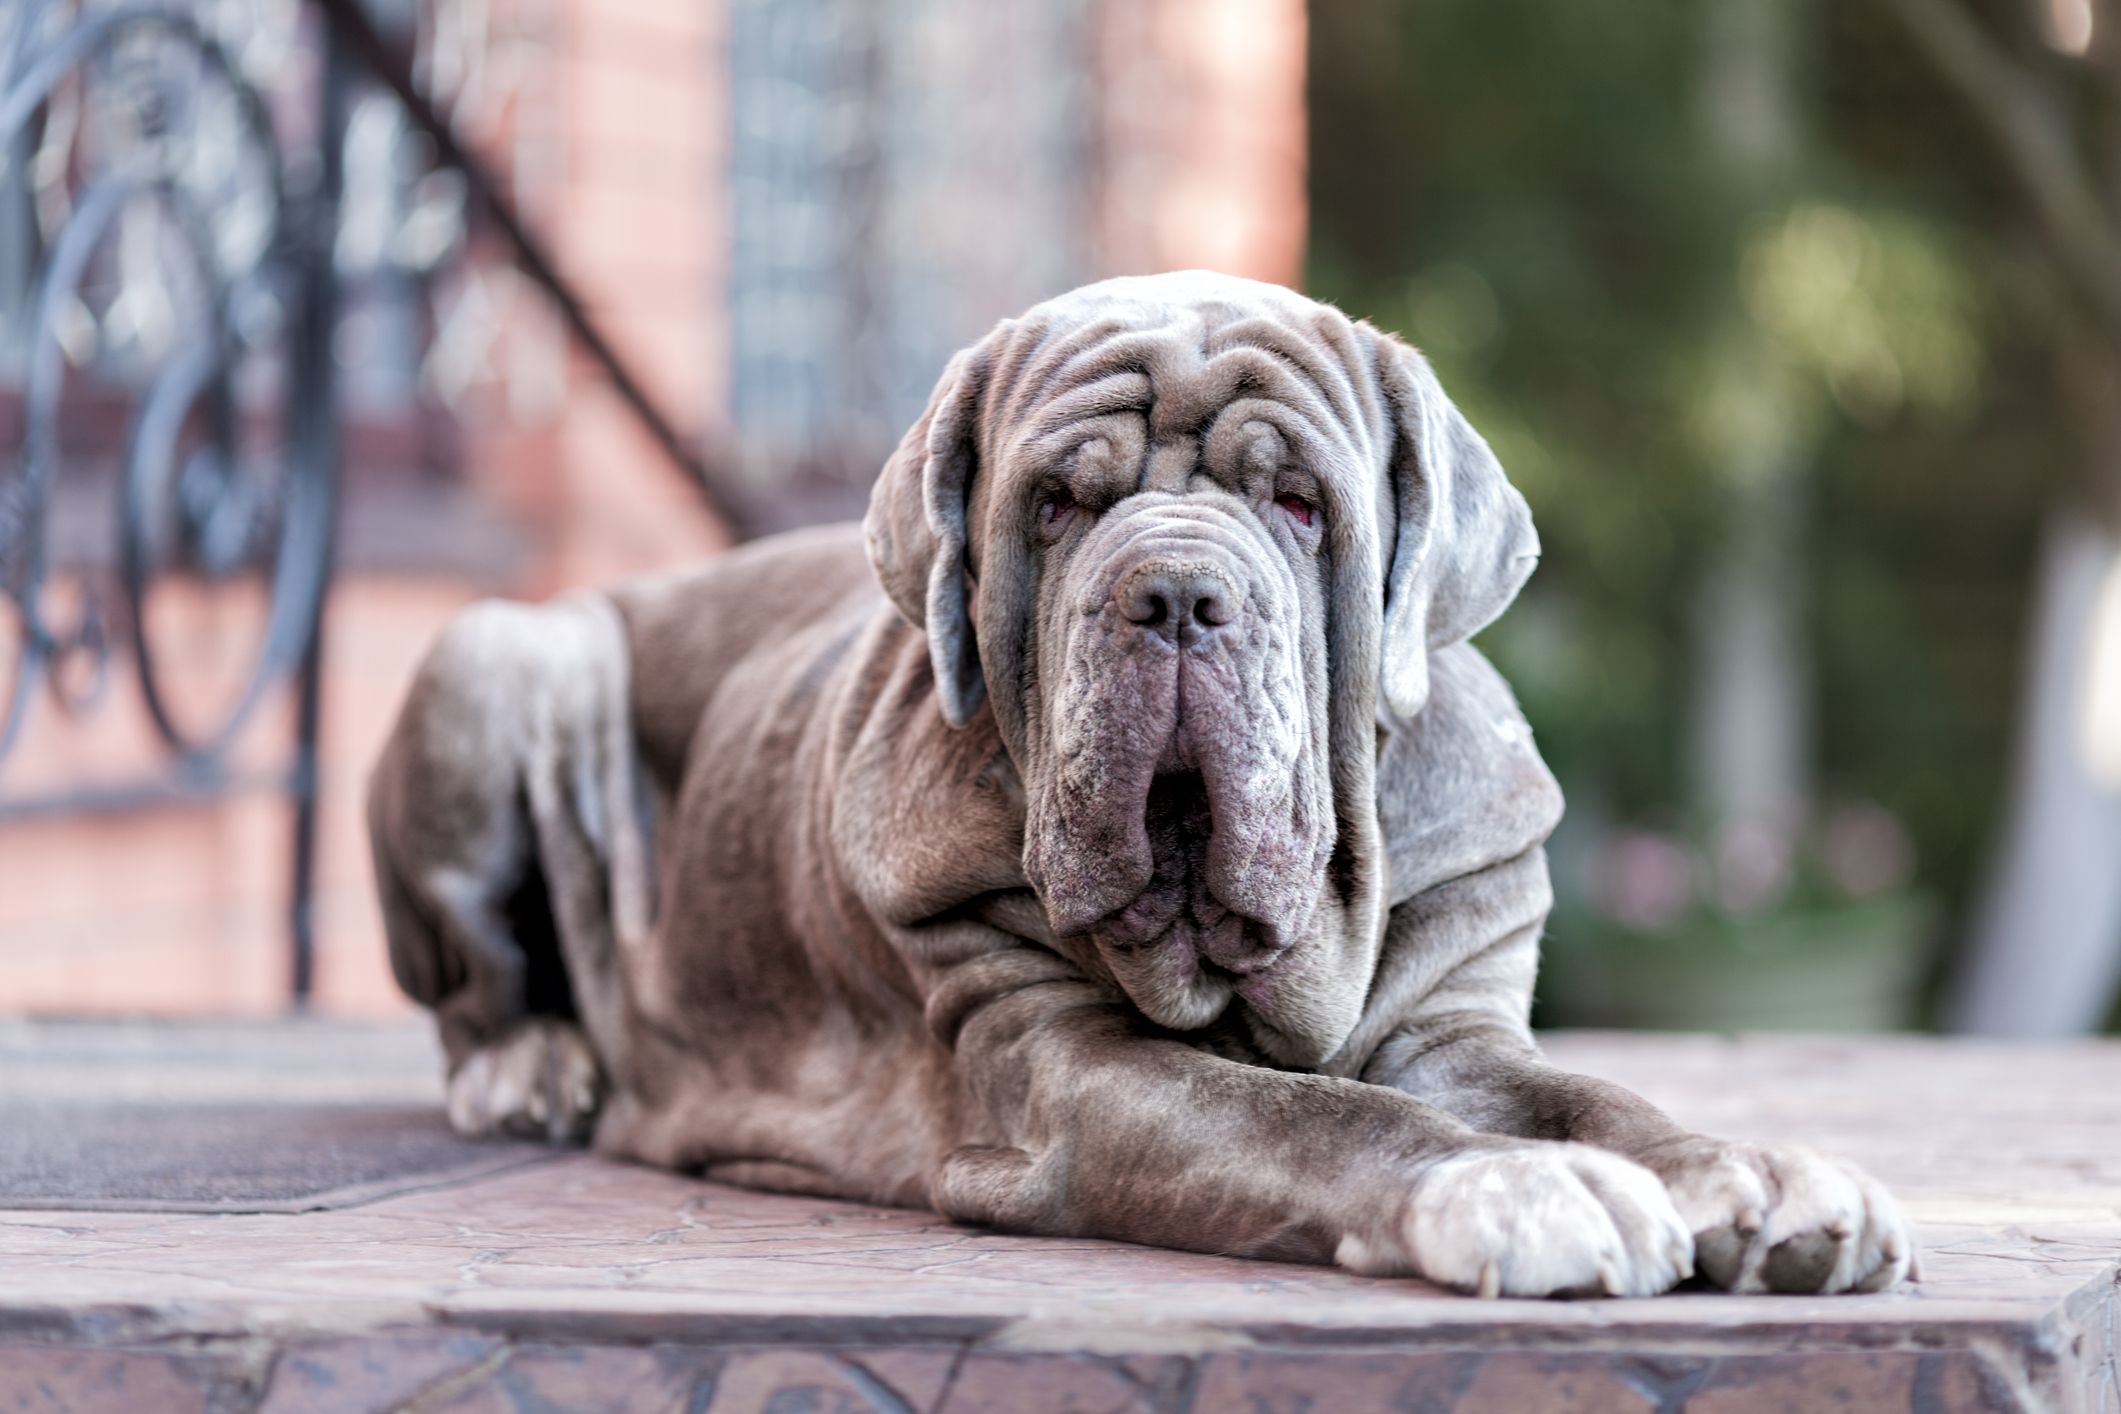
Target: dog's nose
x=1180, y=603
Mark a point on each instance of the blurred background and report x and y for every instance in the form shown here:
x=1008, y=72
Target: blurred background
x=1798, y=323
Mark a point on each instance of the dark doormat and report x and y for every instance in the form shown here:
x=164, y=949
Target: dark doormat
x=223, y=1158
x=227, y=1118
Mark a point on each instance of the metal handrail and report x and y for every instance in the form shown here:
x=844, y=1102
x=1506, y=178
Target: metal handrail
x=288, y=534
x=391, y=64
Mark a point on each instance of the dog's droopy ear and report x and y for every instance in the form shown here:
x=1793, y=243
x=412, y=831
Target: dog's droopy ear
x=1464, y=544
x=916, y=529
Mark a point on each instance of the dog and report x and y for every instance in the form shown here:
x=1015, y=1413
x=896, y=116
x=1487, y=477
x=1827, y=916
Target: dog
x=1115, y=836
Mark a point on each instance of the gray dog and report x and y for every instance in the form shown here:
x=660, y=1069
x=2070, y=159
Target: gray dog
x=1127, y=845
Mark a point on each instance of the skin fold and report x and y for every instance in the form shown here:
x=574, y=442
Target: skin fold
x=1114, y=836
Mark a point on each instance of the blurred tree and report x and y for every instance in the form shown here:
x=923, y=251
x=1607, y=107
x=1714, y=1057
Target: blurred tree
x=1517, y=189
x=1751, y=760
x=1718, y=285
x=2041, y=82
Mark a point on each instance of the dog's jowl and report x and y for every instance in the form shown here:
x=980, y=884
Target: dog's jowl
x=1114, y=836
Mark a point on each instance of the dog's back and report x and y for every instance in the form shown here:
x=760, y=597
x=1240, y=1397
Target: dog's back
x=693, y=627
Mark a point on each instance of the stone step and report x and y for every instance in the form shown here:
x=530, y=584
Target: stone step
x=566, y=1281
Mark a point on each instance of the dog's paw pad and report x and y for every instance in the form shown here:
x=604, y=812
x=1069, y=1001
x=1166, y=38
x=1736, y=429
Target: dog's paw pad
x=1719, y=1253
x=1803, y=1263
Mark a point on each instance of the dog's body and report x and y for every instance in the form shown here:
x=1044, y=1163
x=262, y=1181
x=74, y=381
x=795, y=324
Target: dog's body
x=1137, y=850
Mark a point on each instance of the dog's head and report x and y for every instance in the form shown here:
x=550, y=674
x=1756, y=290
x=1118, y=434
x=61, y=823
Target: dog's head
x=1193, y=538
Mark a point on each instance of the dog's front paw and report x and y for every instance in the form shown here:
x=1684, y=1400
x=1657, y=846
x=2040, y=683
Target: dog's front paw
x=1781, y=1217
x=1533, y=1219
x=540, y=1081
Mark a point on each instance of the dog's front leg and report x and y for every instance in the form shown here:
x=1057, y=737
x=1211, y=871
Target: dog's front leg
x=1093, y=1125
x=1765, y=1217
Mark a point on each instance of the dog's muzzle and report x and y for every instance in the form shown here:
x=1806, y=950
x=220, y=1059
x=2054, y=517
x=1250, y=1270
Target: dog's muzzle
x=1180, y=735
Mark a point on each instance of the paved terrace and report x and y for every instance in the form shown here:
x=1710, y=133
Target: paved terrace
x=271, y=1217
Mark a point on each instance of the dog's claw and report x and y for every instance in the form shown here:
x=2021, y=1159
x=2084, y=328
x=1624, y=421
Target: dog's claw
x=1609, y=1277
x=1490, y=1282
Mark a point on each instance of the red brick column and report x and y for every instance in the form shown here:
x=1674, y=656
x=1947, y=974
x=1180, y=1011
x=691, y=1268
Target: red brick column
x=623, y=182
x=1201, y=136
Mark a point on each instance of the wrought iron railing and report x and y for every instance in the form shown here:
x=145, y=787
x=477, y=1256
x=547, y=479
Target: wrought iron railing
x=144, y=158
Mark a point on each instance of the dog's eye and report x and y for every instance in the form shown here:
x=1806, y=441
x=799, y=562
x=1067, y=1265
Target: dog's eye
x=1297, y=507
x=1053, y=512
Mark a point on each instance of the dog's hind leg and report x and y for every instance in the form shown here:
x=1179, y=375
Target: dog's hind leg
x=489, y=861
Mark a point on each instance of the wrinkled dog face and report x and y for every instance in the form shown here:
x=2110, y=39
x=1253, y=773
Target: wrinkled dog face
x=1181, y=812
x=1193, y=536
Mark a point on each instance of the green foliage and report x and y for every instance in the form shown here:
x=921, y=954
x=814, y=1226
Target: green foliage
x=1531, y=194
x=1877, y=306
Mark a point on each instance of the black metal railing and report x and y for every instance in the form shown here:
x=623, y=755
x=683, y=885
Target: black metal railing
x=137, y=152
